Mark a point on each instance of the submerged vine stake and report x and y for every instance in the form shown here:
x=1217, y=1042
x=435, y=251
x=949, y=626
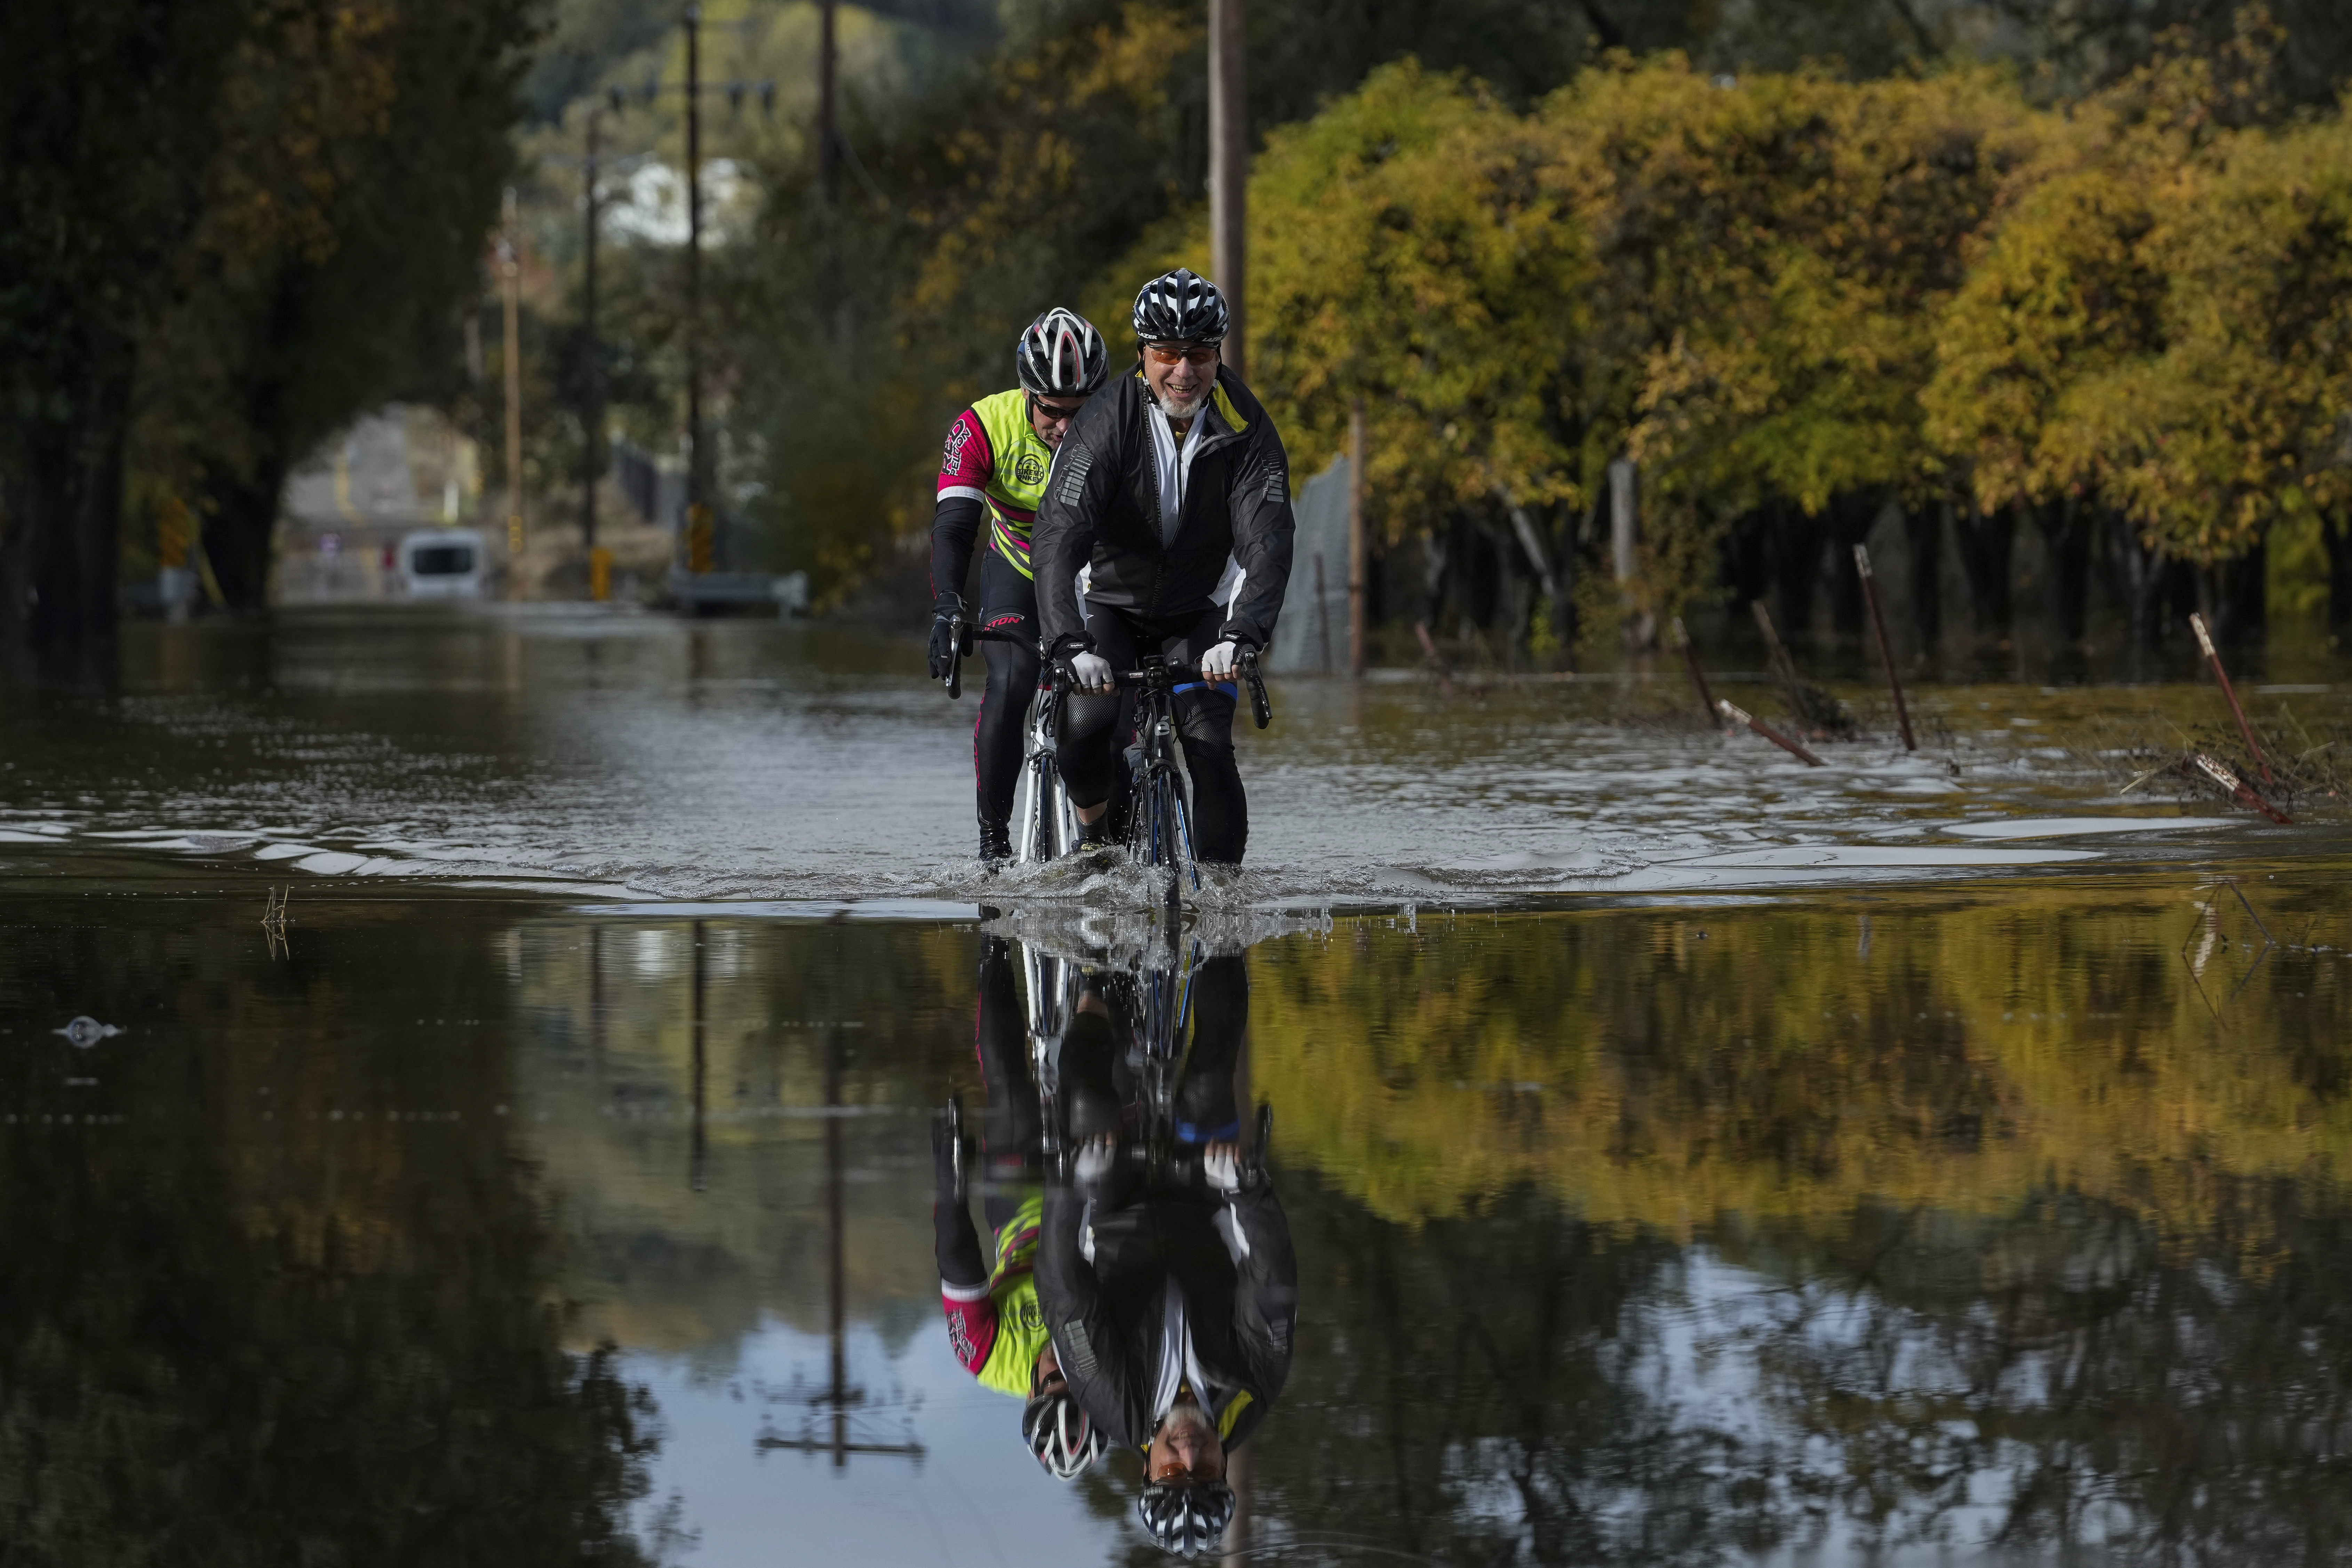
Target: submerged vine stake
x=1739, y=715
x=2213, y=656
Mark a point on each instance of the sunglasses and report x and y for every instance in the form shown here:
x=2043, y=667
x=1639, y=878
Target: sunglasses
x=1051, y=413
x=1203, y=355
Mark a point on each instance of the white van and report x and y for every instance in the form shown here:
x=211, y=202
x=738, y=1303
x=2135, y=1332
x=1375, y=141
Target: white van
x=441, y=564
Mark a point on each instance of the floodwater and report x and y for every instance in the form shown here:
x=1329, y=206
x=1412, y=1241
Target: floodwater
x=1687, y=1157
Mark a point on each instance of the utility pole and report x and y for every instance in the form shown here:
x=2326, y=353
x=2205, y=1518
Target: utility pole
x=510, y=263
x=828, y=132
x=1229, y=172
x=591, y=413
x=839, y=1393
x=696, y=490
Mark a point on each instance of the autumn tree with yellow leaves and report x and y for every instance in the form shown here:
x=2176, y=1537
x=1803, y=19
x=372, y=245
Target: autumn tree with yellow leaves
x=1795, y=300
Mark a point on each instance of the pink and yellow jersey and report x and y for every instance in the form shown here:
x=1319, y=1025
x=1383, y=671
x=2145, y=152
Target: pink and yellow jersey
x=996, y=457
x=998, y=1328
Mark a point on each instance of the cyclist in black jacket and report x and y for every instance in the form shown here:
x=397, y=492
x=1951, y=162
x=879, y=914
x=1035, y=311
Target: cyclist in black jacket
x=1172, y=493
x=1172, y=1313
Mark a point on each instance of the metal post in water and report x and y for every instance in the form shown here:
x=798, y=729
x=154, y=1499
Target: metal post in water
x=1885, y=650
x=1690, y=662
x=1739, y=715
x=1356, y=552
x=2213, y=656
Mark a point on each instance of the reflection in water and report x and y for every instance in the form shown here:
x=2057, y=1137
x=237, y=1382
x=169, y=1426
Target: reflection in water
x=2013, y=1221
x=270, y=1300
x=1144, y=1291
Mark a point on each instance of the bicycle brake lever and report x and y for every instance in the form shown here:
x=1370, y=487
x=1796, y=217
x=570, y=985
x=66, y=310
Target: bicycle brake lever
x=1261, y=709
x=958, y=645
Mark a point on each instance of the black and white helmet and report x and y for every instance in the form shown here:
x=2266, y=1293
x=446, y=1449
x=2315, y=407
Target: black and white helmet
x=1181, y=307
x=1061, y=356
x=1059, y=1431
x=1187, y=1518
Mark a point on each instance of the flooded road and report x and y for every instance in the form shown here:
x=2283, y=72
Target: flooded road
x=636, y=757
x=1683, y=1158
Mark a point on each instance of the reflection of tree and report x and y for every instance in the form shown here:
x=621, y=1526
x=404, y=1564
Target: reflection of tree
x=1668, y=1068
x=1485, y=1390
x=260, y=1321
x=2078, y=1378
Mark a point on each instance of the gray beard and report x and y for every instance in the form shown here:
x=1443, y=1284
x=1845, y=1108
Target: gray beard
x=1176, y=410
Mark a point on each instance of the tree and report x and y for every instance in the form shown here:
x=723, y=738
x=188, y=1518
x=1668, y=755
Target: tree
x=362, y=150
x=108, y=120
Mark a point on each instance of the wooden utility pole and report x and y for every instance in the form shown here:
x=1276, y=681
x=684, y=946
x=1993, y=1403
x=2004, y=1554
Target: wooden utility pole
x=695, y=457
x=1355, y=551
x=1229, y=172
x=592, y=412
x=511, y=263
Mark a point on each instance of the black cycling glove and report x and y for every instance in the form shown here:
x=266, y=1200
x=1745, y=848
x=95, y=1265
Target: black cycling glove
x=946, y=611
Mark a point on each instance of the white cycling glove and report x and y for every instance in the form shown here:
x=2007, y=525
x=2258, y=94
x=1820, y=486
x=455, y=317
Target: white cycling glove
x=1222, y=1164
x=1091, y=672
x=1217, y=664
x=1096, y=1158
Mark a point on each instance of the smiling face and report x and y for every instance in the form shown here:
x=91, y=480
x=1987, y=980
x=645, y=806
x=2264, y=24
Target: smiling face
x=1180, y=375
x=1186, y=1444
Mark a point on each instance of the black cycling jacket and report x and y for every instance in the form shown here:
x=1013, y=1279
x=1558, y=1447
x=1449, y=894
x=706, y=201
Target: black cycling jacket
x=1105, y=1317
x=1102, y=508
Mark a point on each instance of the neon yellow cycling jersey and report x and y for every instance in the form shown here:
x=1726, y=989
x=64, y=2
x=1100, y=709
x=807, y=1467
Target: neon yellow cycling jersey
x=994, y=455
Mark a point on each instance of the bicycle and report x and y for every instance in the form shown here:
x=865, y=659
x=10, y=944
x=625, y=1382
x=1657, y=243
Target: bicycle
x=1044, y=825
x=1159, y=1157
x=1160, y=815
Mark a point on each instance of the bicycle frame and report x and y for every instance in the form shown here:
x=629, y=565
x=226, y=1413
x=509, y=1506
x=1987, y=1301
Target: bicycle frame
x=1044, y=824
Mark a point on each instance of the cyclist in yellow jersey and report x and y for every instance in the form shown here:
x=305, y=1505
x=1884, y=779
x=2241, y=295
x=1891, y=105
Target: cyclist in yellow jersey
x=992, y=477
x=995, y=1326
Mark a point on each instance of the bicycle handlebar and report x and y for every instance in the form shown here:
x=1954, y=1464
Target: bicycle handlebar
x=959, y=649
x=965, y=635
x=1246, y=667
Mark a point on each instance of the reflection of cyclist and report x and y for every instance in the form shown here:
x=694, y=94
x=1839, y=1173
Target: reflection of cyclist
x=1162, y=479
x=1173, y=1314
x=994, y=1324
x=998, y=452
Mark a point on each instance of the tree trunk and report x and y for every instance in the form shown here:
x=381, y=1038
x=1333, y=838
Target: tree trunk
x=2145, y=571
x=2067, y=529
x=1796, y=545
x=1923, y=531
x=1848, y=521
x=1986, y=540
x=238, y=533
x=2336, y=533
x=60, y=544
x=2232, y=594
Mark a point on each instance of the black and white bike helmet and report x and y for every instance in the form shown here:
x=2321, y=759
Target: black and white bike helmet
x=1187, y=1518
x=1061, y=356
x=1061, y=1434
x=1181, y=307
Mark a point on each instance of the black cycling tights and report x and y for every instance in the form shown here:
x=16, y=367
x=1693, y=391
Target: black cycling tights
x=1093, y=730
x=1009, y=603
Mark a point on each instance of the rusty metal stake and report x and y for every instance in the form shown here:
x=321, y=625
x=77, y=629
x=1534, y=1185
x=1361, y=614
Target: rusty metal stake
x=2213, y=656
x=1699, y=675
x=2242, y=794
x=1886, y=653
x=1739, y=715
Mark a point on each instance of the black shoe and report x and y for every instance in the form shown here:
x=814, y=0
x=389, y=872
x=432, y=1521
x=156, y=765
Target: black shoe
x=996, y=843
